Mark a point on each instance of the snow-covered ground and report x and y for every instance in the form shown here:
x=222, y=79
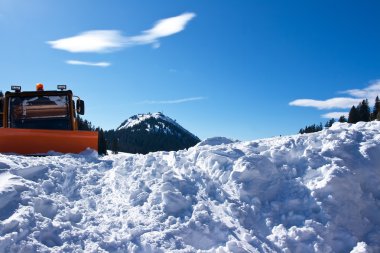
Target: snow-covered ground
x=304, y=193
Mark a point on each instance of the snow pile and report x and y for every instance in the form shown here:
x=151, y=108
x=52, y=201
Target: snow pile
x=305, y=193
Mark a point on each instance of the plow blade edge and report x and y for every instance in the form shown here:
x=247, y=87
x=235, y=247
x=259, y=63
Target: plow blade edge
x=36, y=141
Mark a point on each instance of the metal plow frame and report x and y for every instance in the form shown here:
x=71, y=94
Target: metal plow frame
x=37, y=141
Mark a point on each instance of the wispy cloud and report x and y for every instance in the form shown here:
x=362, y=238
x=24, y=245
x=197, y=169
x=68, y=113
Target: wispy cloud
x=100, y=41
x=334, y=115
x=340, y=103
x=370, y=92
x=93, y=64
x=176, y=101
x=162, y=28
x=356, y=96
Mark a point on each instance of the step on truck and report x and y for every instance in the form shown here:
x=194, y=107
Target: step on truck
x=37, y=122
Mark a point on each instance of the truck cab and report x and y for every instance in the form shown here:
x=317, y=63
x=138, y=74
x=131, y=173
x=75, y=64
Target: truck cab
x=46, y=119
x=40, y=109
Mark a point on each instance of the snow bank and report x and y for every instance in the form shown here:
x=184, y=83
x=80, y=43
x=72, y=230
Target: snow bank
x=304, y=193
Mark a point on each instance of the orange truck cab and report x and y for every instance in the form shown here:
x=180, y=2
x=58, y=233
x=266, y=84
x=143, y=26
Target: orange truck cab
x=36, y=122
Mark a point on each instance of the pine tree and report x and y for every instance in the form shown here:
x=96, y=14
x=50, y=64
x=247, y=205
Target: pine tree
x=342, y=119
x=102, y=144
x=330, y=123
x=376, y=109
x=353, y=115
x=115, y=146
x=364, y=111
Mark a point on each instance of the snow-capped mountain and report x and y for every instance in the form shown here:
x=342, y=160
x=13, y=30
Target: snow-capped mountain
x=140, y=118
x=154, y=122
x=145, y=133
x=304, y=193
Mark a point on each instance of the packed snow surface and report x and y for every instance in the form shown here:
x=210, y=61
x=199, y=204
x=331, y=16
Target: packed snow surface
x=316, y=192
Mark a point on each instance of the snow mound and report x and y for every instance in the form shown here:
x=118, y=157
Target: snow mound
x=214, y=141
x=316, y=192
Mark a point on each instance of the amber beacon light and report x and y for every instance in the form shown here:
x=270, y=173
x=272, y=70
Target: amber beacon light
x=39, y=87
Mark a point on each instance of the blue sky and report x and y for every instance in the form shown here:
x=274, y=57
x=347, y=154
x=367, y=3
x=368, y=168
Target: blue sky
x=240, y=69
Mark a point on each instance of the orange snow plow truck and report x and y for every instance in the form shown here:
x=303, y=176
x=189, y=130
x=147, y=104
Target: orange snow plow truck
x=36, y=122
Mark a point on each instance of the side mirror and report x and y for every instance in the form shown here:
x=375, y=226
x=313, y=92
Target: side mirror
x=80, y=107
x=1, y=102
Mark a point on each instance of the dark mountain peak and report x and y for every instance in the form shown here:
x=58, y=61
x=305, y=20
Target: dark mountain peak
x=154, y=122
x=144, y=117
x=143, y=133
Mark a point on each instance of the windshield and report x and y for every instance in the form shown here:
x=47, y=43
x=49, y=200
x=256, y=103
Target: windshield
x=39, y=112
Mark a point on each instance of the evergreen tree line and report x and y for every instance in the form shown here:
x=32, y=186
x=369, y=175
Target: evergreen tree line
x=361, y=112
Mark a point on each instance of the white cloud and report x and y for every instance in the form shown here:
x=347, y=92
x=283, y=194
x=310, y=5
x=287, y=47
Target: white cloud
x=92, y=41
x=335, y=115
x=177, y=101
x=94, y=64
x=357, y=95
x=341, y=103
x=162, y=28
x=100, y=41
x=370, y=92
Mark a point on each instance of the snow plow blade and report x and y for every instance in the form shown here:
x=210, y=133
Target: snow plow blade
x=37, y=141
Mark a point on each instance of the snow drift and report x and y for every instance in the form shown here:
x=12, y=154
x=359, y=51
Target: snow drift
x=304, y=193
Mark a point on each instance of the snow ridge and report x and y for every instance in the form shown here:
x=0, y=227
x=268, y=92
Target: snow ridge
x=304, y=193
